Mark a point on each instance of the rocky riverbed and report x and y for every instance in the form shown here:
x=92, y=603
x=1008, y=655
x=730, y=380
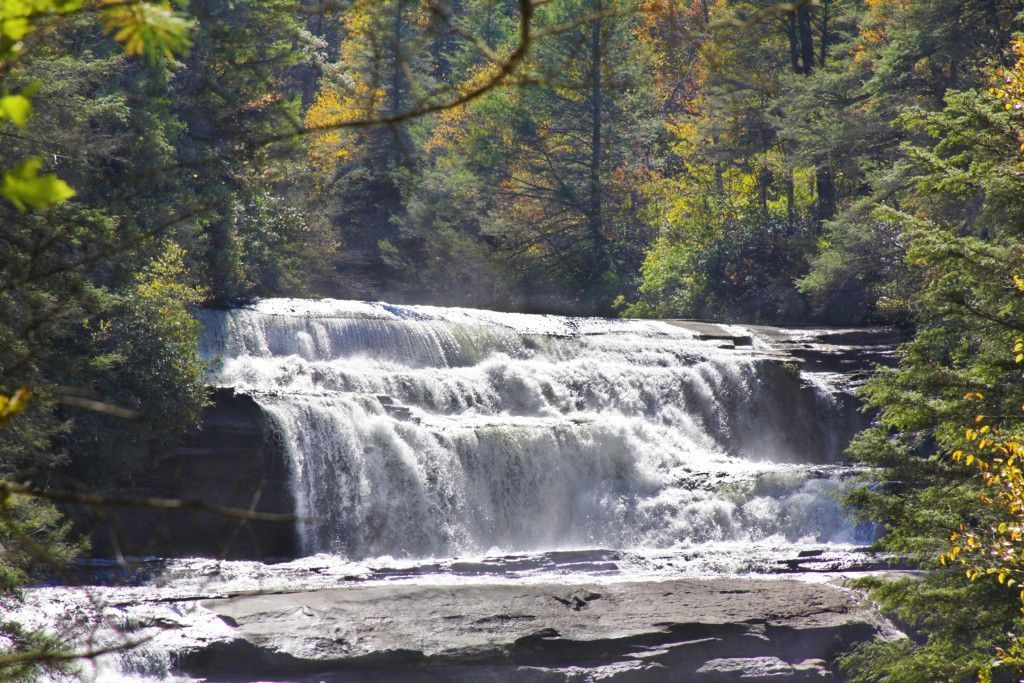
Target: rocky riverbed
x=563, y=616
x=693, y=630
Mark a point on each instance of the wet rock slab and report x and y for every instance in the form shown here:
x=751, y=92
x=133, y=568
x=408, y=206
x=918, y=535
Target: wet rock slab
x=682, y=630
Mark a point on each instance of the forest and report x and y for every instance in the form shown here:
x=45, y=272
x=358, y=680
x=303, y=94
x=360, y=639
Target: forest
x=825, y=162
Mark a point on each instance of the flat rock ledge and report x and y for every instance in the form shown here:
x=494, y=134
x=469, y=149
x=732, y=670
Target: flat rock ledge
x=685, y=630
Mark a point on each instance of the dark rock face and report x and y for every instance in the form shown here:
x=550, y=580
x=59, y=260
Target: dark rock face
x=846, y=357
x=686, y=630
x=231, y=460
x=851, y=352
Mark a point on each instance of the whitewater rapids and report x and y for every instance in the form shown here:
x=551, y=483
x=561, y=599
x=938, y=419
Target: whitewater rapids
x=419, y=432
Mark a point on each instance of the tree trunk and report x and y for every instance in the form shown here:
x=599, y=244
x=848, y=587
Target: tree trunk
x=794, y=43
x=719, y=175
x=705, y=12
x=790, y=200
x=397, y=152
x=826, y=193
x=764, y=183
x=489, y=34
x=395, y=87
x=596, y=107
x=445, y=41
x=803, y=21
x=824, y=32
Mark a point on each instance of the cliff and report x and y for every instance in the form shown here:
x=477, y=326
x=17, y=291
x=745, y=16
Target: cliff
x=231, y=460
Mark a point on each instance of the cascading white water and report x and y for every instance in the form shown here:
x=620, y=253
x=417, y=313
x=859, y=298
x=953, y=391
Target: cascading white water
x=426, y=432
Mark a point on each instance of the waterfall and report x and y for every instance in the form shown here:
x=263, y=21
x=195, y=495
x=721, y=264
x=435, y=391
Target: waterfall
x=416, y=431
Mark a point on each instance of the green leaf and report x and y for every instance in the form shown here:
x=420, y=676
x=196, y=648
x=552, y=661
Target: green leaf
x=14, y=28
x=16, y=109
x=25, y=187
x=18, y=18
x=65, y=6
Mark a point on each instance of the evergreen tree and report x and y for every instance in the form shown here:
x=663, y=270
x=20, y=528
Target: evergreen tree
x=251, y=230
x=963, y=225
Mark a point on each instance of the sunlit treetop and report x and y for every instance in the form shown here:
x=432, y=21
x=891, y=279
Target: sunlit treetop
x=1008, y=84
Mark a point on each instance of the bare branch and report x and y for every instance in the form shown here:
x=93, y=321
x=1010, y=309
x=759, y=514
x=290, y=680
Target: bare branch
x=189, y=505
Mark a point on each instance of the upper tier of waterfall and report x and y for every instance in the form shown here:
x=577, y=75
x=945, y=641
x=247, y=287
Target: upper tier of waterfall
x=420, y=431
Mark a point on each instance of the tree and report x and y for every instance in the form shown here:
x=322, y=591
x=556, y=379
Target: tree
x=41, y=294
x=904, y=54
x=736, y=208
x=133, y=190
x=386, y=65
x=141, y=27
x=251, y=226
x=561, y=184
x=955, y=384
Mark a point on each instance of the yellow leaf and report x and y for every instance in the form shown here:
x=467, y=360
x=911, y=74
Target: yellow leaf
x=12, y=405
x=16, y=109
